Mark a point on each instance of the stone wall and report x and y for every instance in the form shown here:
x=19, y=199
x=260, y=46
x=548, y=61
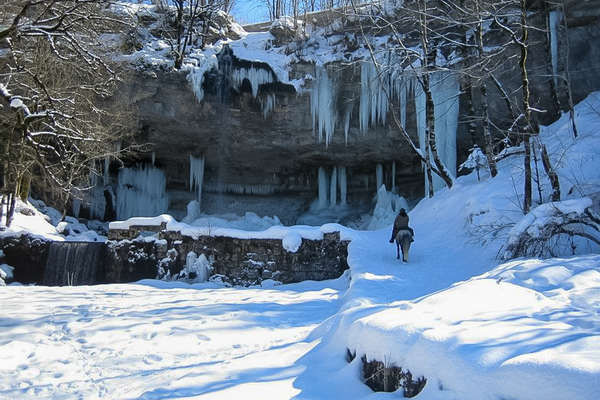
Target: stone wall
x=239, y=261
x=28, y=255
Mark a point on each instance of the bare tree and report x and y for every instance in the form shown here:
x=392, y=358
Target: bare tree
x=54, y=121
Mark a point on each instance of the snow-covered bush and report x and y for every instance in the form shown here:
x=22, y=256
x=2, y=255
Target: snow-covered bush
x=552, y=229
x=476, y=161
x=197, y=268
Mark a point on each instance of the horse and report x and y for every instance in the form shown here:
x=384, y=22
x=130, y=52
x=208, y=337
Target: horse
x=403, y=240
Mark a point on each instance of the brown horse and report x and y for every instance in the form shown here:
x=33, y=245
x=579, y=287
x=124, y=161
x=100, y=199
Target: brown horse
x=403, y=240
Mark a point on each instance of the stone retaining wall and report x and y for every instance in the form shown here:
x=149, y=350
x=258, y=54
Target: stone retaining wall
x=239, y=261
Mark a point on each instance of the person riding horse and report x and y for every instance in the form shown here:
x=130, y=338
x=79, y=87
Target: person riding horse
x=402, y=234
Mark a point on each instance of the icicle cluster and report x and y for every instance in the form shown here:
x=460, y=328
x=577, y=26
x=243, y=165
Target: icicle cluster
x=374, y=90
x=256, y=77
x=197, y=176
x=141, y=192
x=322, y=106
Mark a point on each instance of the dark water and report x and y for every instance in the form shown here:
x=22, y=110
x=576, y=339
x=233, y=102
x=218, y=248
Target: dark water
x=74, y=263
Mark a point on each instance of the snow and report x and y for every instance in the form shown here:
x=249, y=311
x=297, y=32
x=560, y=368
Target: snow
x=142, y=221
x=6, y=273
x=292, y=242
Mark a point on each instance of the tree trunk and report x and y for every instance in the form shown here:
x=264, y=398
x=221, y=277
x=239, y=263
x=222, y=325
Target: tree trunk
x=567, y=72
x=429, y=62
x=551, y=174
x=526, y=109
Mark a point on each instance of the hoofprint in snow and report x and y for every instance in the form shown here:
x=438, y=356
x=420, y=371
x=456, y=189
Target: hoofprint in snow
x=526, y=329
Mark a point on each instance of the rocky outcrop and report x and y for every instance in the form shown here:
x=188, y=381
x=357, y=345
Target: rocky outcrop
x=238, y=261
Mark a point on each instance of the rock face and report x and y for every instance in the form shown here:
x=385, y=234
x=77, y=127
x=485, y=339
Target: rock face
x=258, y=139
x=239, y=261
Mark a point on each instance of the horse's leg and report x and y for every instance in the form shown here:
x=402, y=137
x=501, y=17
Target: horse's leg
x=405, y=248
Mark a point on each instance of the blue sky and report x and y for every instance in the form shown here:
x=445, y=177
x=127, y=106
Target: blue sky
x=250, y=11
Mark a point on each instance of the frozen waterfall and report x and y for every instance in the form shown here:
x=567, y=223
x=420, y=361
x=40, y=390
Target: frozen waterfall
x=333, y=188
x=256, y=77
x=141, y=192
x=343, y=183
x=322, y=106
x=374, y=91
x=445, y=90
x=197, y=176
x=322, y=187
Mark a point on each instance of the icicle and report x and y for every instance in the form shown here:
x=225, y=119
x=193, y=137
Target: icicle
x=347, y=117
x=343, y=185
x=197, y=176
x=153, y=158
x=553, y=21
x=393, y=176
x=256, y=77
x=322, y=188
x=333, y=188
x=141, y=192
x=322, y=106
x=379, y=175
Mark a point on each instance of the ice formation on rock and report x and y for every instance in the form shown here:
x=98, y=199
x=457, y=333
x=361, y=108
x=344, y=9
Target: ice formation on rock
x=197, y=268
x=255, y=76
x=96, y=200
x=267, y=103
x=374, y=91
x=379, y=175
x=445, y=90
x=322, y=187
x=141, y=192
x=333, y=187
x=342, y=181
x=197, y=176
x=322, y=106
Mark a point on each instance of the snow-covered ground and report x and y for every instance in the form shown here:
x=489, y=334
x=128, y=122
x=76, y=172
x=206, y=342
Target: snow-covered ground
x=524, y=329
